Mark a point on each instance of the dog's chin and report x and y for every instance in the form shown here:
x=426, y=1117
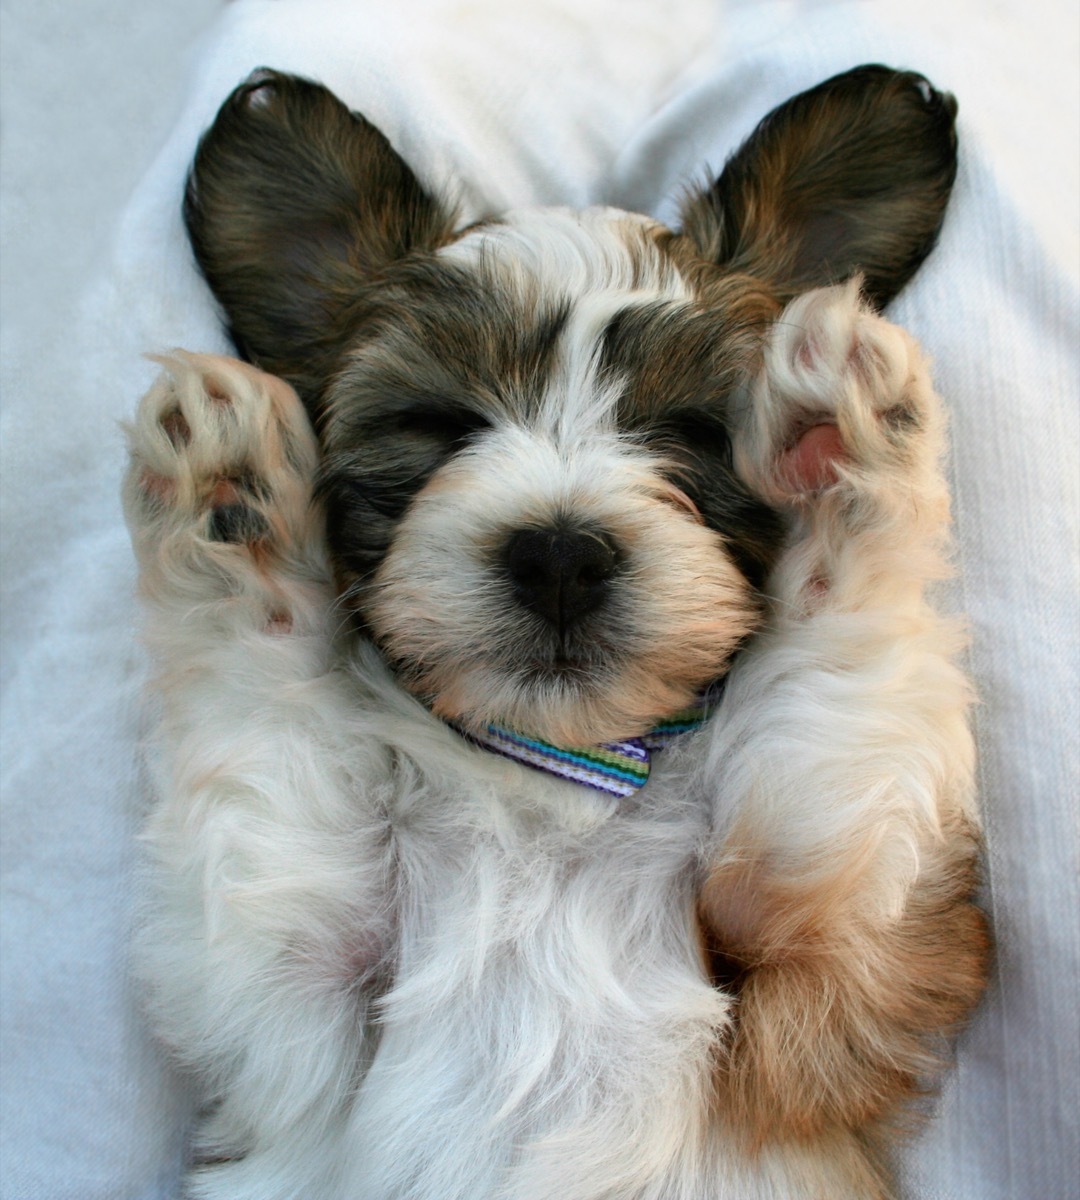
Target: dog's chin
x=562, y=701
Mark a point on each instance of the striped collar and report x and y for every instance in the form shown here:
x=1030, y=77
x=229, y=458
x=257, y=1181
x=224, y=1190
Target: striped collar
x=615, y=768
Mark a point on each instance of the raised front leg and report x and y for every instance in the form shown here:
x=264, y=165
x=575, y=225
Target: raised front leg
x=839, y=894
x=269, y=920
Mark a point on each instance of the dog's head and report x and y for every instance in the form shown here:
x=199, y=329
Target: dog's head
x=527, y=424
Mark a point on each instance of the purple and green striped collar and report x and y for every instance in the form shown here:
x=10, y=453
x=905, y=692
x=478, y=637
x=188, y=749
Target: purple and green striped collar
x=615, y=768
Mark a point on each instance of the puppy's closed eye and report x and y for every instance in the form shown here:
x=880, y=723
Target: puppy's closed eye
x=700, y=436
x=677, y=498
x=451, y=425
x=698, y=453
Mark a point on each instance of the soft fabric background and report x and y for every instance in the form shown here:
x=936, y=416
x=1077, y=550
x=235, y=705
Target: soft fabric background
x=619, y=101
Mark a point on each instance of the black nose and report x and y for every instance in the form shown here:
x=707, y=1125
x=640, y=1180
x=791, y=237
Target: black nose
x=560, y=573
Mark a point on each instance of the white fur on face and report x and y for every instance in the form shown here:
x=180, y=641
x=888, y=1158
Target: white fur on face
x=443, y=606
x=445, y=609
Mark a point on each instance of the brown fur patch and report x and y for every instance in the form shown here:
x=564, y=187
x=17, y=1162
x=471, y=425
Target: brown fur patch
x=294, y=207
x=840, y=1020
x=852, y=175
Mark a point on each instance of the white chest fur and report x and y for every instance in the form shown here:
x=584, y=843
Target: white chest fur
x=549, y=1016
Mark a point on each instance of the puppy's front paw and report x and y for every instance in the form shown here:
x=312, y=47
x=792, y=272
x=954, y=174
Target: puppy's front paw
x=843, y=405
x=219, y=489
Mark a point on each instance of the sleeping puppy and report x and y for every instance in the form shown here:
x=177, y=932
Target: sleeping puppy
x=565, y=784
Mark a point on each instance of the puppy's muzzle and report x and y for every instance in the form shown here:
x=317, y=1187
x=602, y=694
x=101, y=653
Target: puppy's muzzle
x=561, y=573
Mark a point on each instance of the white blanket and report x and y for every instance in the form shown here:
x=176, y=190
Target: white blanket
x=622, y=102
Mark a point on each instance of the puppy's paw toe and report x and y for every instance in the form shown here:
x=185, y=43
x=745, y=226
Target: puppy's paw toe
x=844, y=400
x=239, y=524
x=221, y=456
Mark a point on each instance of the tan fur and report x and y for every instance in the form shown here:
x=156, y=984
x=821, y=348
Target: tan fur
x=839, y=1022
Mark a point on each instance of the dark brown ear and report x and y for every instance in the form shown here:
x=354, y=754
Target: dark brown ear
x=851, y=176
x=294, y=206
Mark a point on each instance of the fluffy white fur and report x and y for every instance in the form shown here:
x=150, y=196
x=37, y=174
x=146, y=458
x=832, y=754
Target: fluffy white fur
x=402, y=967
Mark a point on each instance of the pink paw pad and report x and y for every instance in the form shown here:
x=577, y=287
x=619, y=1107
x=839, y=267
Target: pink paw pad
x=157, y=487
x=239, y=524
x=810, y=464
x=177, y=430
x=279, y=623
x=216, y=393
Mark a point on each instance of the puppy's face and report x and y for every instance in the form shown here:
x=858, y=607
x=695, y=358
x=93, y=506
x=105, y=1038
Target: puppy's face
x=527, y=424
x=528, y=477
